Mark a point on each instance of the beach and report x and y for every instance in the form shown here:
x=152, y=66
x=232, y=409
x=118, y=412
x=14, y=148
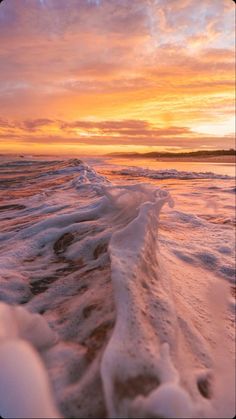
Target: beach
x=207, y=159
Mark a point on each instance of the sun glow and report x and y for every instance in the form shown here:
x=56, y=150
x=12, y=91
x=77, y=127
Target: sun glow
x=224, y=128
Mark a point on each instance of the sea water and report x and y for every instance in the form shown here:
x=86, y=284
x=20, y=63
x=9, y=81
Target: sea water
x=117, y=285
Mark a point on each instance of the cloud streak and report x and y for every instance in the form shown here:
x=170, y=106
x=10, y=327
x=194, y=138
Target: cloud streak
x=82, y=133
x=166, y=65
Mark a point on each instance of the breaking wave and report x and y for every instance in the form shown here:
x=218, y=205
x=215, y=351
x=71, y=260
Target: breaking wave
x=102, y=301
x=168, y=174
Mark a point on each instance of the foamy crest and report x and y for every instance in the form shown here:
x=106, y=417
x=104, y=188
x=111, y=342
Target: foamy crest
x=24, y=386
x=169, y=174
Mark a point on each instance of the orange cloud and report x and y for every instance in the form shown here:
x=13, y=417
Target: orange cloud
x=161, y=66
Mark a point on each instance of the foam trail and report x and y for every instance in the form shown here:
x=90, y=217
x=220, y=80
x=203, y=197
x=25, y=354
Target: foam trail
x=138, y=369
x=135, y=361
x=169, y=174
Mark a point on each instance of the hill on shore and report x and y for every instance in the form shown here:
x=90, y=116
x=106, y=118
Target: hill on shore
x=199, y=153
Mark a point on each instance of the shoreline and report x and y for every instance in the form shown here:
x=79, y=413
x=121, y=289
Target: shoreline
x=207, y=159
x=201, y=159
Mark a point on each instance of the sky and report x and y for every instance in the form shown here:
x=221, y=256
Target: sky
x=100, y=76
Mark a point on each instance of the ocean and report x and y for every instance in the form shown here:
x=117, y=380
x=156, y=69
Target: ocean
x=117, y=288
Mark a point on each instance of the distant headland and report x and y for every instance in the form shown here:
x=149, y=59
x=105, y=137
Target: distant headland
x=199, y=153
x=212, y=155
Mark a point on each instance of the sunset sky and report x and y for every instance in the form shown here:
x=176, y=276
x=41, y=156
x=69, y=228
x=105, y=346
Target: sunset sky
x=97, y=76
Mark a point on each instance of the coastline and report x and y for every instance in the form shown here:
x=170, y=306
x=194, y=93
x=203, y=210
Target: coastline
x=212, y=159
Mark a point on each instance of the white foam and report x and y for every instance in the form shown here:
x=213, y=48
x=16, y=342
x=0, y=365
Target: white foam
x=24, y=385
x=169, y=174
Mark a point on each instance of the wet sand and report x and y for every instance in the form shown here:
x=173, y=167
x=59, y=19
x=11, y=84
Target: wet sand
x=213, y=159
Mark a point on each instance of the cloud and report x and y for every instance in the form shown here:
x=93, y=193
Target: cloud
x=156, y=62
x=44, y=132
x=33, y=125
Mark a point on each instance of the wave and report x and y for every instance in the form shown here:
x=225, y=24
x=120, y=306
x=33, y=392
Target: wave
x=168, y=174
x=85, y=255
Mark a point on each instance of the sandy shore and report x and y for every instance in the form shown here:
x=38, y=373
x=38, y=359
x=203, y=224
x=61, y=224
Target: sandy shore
x=213, y=159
